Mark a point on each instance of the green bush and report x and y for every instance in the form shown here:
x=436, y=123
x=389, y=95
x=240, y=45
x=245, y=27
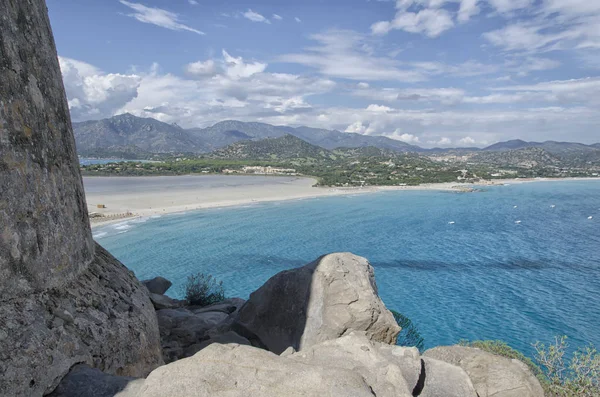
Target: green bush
x=203, y=290
x=409, y=336
x=579, y=377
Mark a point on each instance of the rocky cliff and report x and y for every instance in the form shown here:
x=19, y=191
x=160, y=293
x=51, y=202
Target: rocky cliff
x=63, y=300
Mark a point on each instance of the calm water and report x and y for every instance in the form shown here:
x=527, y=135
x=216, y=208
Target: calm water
x=483, y=277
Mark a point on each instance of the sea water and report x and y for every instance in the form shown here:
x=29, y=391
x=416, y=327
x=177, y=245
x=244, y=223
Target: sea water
x=519, y=263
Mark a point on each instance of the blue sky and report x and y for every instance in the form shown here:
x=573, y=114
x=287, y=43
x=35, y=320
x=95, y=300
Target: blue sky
x=429, y=72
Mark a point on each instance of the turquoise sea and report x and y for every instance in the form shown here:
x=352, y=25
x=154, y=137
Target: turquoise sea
x=485, y=276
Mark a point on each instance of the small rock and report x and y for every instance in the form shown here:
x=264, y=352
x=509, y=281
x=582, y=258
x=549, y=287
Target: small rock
x=157, y=285
x=164, y=302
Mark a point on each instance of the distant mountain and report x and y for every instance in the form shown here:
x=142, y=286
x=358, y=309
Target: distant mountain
x=550, y=146
x=127, y=132
x=529, y=157
x=134, y=136
x=335, y=139
x=282, y=148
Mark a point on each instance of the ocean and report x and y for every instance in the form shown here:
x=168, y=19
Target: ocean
x=518, y=263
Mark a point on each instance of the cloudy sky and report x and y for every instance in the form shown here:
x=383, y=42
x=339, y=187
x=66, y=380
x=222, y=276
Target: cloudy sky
x=429, y=72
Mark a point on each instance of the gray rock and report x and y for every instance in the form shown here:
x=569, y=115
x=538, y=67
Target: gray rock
x=157, y=285
x=323, y=300
x=491, y=375
x=111, y=325
x=229, y=306
x=387, y=369
x=242, y=371
x=83, y=381
x=180, y=329
x=164, y=302
x=445, y=380
x=63, y=299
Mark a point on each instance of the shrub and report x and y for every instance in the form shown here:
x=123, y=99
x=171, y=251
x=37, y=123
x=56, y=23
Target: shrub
x=203, y=290
x=409, y=336
x=579, y=377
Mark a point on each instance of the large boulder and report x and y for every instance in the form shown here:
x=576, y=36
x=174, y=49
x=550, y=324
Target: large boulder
x=326, y=299
x=102, y=318
x=389, y=370
x=63, y=299
x=157, y=285
x=240, y=371
x=492, y=375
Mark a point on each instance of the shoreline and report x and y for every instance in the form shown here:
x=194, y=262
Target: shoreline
x=247, y=195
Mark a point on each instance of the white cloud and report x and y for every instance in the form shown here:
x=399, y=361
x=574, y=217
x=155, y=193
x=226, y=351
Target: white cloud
x=468, y=8
x=202, y=69
x=378, y=108
x=236, y=67
x=356, y=127
x=277, y=17
x=404, y=137
x=255, y=17
x=345, y=54
x=93, y=93
x=193, y=2
x=467, y=141
x=431, y=22
x=158, y=17
x=297, y=19
x=363, y=85
x=504, y=6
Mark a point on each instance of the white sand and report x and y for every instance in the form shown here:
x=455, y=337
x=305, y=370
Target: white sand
x=128, y=197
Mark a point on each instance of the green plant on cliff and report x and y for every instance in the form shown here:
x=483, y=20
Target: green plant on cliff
x=203, y=289
x=409, y=336
x=577, y=377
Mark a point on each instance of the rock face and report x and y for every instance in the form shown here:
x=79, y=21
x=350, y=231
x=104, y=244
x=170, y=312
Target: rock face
x=42, y=204
x=323, y=300
x=492, y=375
x=63, y=300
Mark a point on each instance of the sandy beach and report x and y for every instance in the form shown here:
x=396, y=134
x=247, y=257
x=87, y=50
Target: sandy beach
x=112, y=199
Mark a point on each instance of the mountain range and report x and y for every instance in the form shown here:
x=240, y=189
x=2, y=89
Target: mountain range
x=129, y=136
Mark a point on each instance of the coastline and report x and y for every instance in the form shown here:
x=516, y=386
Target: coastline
x=140, y=203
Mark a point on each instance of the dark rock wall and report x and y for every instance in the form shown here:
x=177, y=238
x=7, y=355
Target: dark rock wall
x=63, y=299
x=45, y=238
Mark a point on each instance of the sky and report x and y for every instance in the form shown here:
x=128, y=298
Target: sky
x=428, y=72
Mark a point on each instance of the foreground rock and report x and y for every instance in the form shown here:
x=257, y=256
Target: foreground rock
x=492, y=375
x=63, y=299
x=235, y=370
x=323, y=300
